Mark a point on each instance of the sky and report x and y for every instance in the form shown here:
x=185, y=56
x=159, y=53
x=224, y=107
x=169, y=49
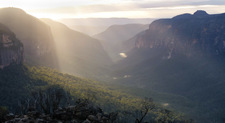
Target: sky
x=58, y=9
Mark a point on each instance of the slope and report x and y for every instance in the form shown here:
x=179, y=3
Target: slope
x=78, y=53
x=34, y=34
x=17, y=82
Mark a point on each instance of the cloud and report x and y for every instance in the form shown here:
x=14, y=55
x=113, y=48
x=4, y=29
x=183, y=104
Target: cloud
x=98, y=11
x=114, y=8
x=173, y=3
x=209, y=2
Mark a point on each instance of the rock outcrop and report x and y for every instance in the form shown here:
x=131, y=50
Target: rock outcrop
x=70, y=114
x=187, y=34
x=11, y=49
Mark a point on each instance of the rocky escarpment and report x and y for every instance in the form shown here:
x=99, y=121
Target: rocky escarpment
x=36, y=36
x=187, y=34
x=11, y=49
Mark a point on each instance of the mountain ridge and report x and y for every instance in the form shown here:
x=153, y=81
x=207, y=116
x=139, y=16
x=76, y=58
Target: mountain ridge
x=187, y=34
x=183, y=55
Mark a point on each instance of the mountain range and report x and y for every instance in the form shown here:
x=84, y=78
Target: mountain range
x=52, y=44
x=93, y=26
x=180, y=58
x=183, y=55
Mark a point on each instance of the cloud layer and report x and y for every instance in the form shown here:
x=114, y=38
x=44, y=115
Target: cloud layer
x=114, y=8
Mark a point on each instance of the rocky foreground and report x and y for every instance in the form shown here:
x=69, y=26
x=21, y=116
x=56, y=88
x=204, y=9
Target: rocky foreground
x=72, y=114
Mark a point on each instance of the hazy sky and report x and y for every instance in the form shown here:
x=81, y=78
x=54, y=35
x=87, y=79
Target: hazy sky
x=57, y=9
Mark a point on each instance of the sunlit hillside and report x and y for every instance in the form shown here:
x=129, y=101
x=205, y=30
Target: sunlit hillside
x=78, y=53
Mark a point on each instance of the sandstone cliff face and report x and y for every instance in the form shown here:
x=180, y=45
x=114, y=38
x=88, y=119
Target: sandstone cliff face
x=36, y=36
x=187, y=34
x=11, y=49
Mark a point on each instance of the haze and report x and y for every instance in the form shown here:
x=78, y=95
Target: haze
x=112, y=53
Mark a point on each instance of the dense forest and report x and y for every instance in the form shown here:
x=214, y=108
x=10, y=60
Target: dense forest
x=19, y=82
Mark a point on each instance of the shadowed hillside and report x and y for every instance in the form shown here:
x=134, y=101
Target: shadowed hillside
x=183, y=55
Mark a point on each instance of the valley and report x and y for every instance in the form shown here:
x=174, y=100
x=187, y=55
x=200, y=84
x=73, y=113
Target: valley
x=178, y=62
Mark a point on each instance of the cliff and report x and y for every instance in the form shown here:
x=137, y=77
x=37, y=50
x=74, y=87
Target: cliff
x=187, y=34
x=11, y=49
x=36, y=36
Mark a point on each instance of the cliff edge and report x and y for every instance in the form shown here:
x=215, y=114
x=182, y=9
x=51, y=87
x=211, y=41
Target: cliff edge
x=187, y=34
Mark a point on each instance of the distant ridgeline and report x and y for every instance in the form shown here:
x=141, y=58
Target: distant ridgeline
x=11, y=49
x=187, y=34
